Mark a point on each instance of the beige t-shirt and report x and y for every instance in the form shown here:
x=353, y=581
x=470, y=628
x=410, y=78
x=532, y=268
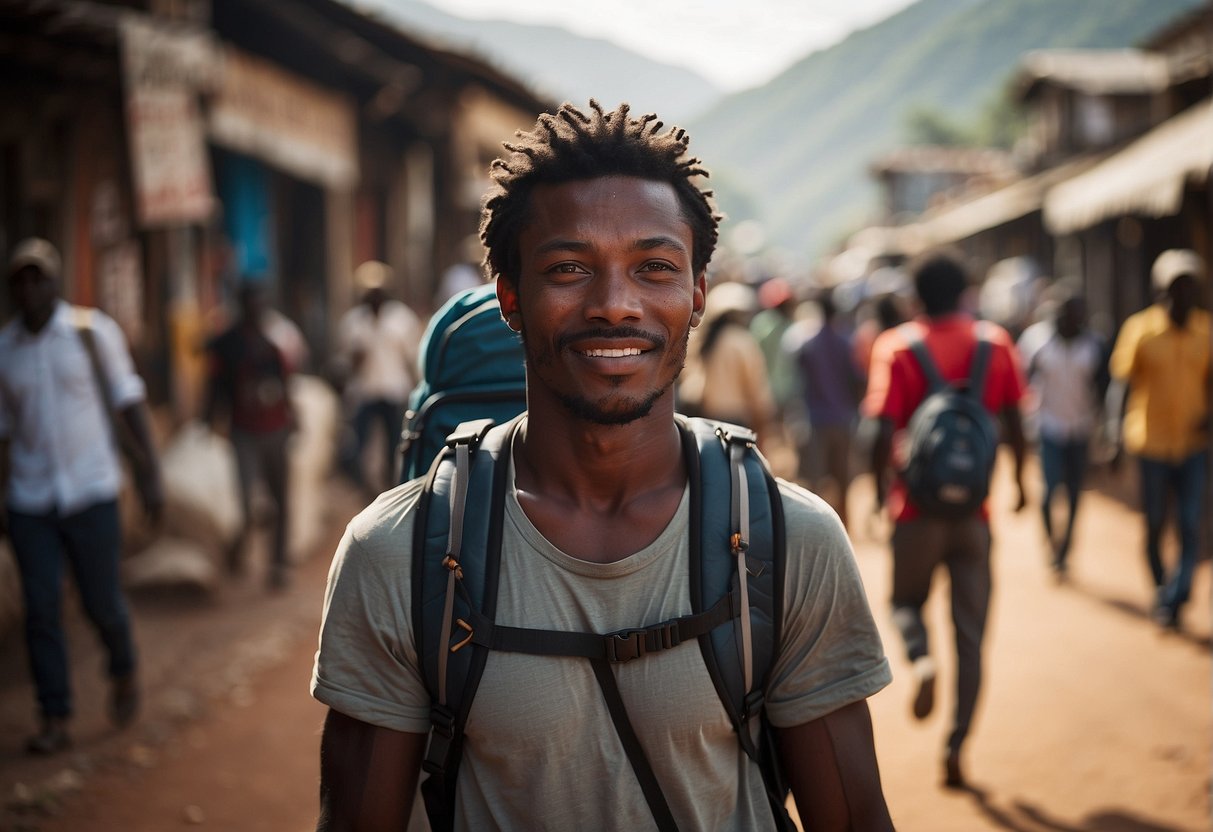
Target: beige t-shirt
x=541, y=750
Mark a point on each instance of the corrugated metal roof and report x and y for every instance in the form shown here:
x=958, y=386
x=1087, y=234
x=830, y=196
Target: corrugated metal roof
x=1146, y=177
x=1094, y=71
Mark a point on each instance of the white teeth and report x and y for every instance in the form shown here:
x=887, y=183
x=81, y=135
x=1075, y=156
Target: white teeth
x=612, y=353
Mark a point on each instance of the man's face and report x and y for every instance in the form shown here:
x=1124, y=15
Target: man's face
x=605, y=296
x=1071, y=317
x=1183, y=292
x=33, y=294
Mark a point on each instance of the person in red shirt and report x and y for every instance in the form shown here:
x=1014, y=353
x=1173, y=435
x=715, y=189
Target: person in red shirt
x=920, y=542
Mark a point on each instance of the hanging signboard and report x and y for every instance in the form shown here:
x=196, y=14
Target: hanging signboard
x=265, y=112
x=163, y=71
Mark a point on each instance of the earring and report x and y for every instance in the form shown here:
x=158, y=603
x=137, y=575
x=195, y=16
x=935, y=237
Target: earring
x=511, y=321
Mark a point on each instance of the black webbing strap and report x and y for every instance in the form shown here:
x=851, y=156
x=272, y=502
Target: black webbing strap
x=935, y=381
x=631, y=746
x=981, y=362
x=619, y=646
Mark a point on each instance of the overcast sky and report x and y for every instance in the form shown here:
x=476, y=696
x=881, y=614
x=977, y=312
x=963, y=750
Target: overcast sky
x=734, y=43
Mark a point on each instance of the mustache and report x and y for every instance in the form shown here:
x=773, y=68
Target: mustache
x=618, y=333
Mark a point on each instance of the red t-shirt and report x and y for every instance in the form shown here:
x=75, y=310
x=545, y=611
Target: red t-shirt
x=897, y=385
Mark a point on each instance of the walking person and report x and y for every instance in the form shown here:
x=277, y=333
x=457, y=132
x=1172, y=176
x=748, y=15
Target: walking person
x=249, y=382
x=66, y=382
x=831, y=385
x=379, y=339
x=1162, y=355
x=924, y=539
x=726, y=374
x=598, y=237
x=1067, y=370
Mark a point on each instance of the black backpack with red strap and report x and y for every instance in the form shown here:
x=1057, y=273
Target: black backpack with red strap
x=952, y=437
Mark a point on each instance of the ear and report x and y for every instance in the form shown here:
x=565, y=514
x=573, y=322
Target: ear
x=507, y=299
x=701, y=293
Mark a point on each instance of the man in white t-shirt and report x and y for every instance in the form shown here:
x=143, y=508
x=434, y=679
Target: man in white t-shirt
x=379, y=339
x=1066, y=365
x=599, y=238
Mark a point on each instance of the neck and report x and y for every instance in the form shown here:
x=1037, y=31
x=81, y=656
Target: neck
x=36, y=320
x=584, y=462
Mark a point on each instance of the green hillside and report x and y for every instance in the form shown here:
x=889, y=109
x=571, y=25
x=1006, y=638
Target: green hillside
x=800, y=145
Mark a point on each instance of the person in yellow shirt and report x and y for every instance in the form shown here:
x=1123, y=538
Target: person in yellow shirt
x=1162, y=354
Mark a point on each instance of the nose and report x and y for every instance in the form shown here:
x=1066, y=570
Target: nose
x=613, y=298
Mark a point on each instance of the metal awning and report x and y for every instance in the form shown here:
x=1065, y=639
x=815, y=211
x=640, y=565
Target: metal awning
x=1147, y=177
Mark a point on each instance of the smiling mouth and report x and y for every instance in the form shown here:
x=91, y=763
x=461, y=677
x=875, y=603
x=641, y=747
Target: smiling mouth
x=616, y=353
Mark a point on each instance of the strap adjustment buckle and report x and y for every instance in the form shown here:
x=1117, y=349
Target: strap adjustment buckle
x=442, y=733
x=625, y=645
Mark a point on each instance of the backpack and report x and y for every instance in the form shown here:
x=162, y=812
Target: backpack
x=953, y=440
x=736, y=579
x=472, y=366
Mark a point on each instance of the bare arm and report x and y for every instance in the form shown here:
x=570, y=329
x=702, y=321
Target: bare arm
x=151, y=487
x=368, y=776
x=830, y=764
x=4, y=468
x=882, y=450
x=1013, y=426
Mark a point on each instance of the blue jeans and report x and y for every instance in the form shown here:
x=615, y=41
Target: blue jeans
x=90, y=543
x=387, y=414
x=1186, y=480
x=1063, y=463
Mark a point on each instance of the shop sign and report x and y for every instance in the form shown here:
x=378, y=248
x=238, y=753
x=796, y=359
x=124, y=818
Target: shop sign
x=263, y=111
x=164, y=69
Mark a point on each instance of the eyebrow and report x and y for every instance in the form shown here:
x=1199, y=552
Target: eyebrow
x=643, y=244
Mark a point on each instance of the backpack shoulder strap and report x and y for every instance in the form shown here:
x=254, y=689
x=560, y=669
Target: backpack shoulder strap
x=922, y=355
x=445, y=595
x=82, y=321
x=981, y=359
x=742, y=551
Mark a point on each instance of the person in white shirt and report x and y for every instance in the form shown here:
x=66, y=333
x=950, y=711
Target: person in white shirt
x=379, y=340
x=1067, y=370
x=61, y=369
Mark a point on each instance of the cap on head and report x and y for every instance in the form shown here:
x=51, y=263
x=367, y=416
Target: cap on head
x=1175, y=263
x=372, y=275
x=38, y=253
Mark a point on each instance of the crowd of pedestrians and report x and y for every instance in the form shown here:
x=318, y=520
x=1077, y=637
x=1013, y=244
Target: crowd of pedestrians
x=842, y=382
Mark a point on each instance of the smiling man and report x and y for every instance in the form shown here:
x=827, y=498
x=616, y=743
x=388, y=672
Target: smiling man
x=599, y=237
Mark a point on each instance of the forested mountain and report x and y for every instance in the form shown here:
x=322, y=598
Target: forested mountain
x=794, y=152
x=561, y=64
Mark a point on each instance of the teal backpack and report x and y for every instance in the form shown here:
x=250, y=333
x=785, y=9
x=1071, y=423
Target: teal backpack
x=737, y=571
x=472, y=367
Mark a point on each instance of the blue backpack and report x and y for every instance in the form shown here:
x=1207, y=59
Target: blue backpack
x=472, y=367
x=736, y=584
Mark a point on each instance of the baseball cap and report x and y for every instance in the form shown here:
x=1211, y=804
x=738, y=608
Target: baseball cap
x=1174, y=263
x=37, y=252
x=372, y=275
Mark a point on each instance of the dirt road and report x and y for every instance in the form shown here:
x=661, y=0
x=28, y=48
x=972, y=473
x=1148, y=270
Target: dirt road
x=1092, y=720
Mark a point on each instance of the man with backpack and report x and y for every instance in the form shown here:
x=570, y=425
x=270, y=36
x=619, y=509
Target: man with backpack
x=605, y=697
x=69, y=393
x=942, y=379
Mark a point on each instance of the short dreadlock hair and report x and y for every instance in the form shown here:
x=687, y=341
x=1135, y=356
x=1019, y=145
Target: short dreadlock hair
x=571, y=146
